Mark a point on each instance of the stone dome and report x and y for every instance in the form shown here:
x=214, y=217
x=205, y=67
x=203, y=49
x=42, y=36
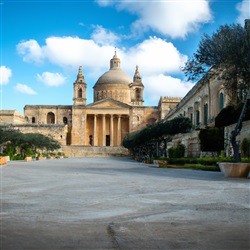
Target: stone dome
x=114, y=83
x=114, y=76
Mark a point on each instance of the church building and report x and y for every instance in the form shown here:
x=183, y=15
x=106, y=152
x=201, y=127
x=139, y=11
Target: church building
x=116, y=111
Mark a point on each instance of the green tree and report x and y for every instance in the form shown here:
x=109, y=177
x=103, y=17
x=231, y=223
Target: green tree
x=144, y=141
x=27, y=143
x=226, y=53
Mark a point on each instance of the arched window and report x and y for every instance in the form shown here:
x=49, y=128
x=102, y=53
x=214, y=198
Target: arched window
x=50, y=118
x=80, y=93
x=33, y=120
x=221, y=101
x=205, y=113
x=65, y=120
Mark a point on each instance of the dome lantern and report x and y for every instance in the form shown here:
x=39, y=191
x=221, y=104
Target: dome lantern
x=115, y=62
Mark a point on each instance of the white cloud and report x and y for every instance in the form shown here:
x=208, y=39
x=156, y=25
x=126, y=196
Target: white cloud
x=22, y=88
x=154, y=56
x=105, y=3
x=51, y=79
x=74, y=51
x=244, y=9
x=103, y=36
x=172, y=18
x=31, y=51
x=5, y=74
x=162, y=85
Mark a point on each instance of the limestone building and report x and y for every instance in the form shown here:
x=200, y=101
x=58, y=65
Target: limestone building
x=202, y=104
x=116, y=111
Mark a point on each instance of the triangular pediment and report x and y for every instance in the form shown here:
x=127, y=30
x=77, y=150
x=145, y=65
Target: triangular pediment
x=108, y=103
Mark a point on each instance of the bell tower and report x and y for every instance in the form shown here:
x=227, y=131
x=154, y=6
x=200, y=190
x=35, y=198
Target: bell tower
x=137, y=89
x=80, y=89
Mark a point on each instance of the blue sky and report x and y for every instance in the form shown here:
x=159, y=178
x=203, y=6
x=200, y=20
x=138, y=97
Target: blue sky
x=44, y=42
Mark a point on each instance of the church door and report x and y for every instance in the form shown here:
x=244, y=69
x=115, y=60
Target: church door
x=108, y=140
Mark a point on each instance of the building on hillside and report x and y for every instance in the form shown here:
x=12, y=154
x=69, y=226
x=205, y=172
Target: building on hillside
x=116, y=111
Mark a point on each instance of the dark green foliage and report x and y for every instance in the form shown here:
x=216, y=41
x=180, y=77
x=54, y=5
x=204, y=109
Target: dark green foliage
x=27, y=143
x=40, y=141
x=152, y=140
x=10, y=150
x=212, y=139
x=156, y=131
x=176, y=152
x=230, y=115
x=204, y=161
x=227, y=49
x=10, y=136
x=245, y=147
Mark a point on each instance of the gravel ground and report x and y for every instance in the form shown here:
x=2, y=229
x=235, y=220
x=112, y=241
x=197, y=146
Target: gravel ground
x=118, y=203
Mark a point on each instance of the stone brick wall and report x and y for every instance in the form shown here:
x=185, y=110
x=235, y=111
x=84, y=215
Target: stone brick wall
x=57, y=132
x=40, y=113
x=192, y=144
x=85, y=151
x=11, y=117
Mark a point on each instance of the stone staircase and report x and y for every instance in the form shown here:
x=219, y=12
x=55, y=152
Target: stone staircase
x=86, y=151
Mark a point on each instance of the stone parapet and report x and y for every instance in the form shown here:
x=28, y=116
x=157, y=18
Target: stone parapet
x=86, y=151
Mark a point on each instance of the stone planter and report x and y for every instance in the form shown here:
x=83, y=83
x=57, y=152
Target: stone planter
x=28, y=158
x=3, y=160
x=235, y=169
x=162, y=163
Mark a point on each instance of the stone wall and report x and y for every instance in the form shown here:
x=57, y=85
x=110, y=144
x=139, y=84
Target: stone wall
x=85, y=151
x=166, y=104
x=192, y=143
x=11, y=117
x=57, y=132
x=40, y=114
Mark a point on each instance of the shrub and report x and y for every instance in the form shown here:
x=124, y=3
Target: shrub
x=230, y=115
x=212, y=139
x=177, y=152
x=245, y=147
x=18, y=157
x=10, y=150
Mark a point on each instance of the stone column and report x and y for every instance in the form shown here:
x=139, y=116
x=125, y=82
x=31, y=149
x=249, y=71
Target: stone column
x=111, y=130
x=84, y=130
x=94, y=136
x=103, y=130
x=119, y=131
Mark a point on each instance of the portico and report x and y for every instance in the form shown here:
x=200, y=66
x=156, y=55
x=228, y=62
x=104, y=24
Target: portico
x=106, y=129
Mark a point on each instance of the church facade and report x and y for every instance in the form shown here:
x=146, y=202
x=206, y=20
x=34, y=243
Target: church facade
x=116, y=111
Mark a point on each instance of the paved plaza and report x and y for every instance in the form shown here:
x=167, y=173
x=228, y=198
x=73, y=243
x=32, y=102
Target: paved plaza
x=118, y=203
